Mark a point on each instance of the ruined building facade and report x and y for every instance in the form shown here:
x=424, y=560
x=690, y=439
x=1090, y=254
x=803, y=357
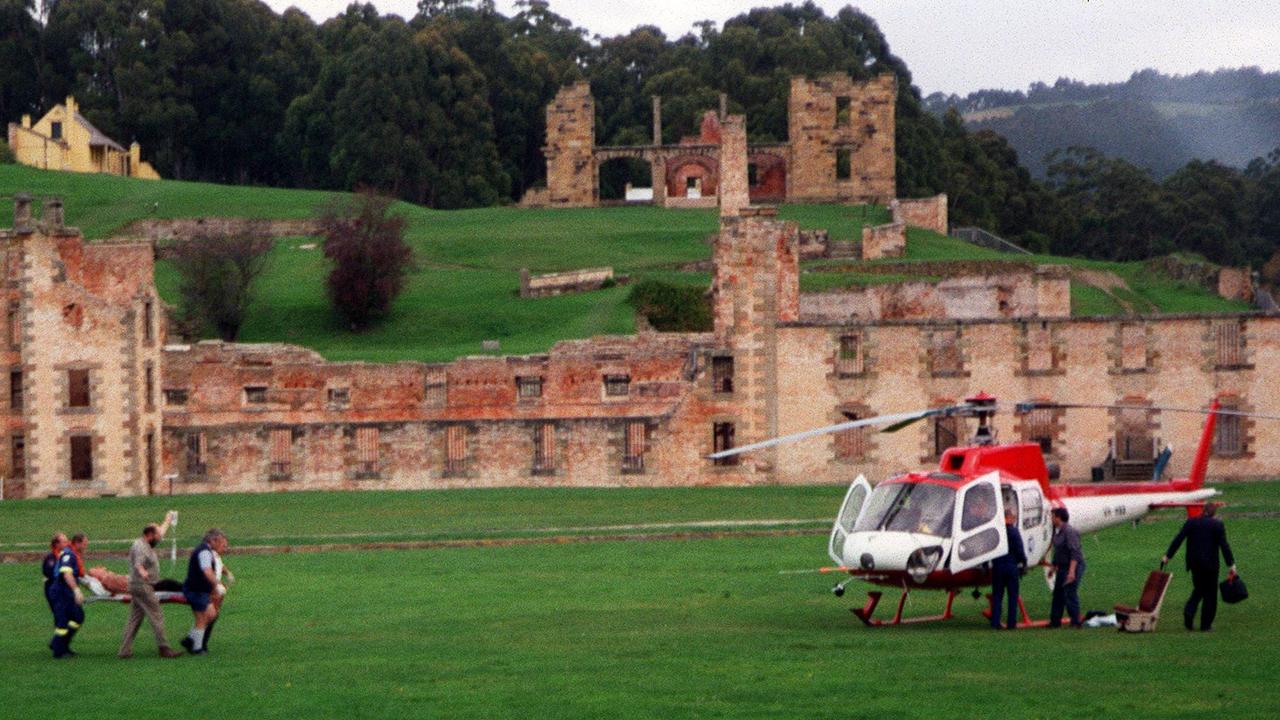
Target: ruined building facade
x=840, y=149
x=99, y=405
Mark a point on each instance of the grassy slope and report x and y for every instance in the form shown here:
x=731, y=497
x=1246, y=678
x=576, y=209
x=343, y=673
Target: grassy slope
x=640, y=630
x=464, y=290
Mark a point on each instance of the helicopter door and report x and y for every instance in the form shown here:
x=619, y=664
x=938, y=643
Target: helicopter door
x=850, y=511
x=979, y=524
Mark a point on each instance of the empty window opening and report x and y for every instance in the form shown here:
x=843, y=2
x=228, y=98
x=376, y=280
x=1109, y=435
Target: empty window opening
x=255, y=394
x=843, y=102
x=81, y=457
x=78, y=388
x=722, y=439
x=149, y=386
x=849, y=356
x=197, y=449
x=844, y=163
x=15, y=389
x=722, y=373
x=18, y=456
x=617, y=385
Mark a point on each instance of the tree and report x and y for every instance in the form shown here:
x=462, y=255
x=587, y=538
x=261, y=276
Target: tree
x=370, y=257
x=216, y=280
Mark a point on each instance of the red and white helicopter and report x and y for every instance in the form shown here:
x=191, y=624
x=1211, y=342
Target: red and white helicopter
x=938, y=529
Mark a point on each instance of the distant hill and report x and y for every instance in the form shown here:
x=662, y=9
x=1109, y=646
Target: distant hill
x=1156, y=121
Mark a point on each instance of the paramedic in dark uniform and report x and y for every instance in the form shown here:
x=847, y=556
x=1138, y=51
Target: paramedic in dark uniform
x=202, y=582
x=1205, y=536
x=58, y=542
x=66, y=598
x=1068, y=568
x=1005, y=571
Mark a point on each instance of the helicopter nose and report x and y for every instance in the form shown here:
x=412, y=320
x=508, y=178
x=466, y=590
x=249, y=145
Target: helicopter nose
x=867, y=562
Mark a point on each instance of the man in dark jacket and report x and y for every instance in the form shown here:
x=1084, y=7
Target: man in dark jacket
x=1205, y=535
x=1005, y=571
x=1068, y=569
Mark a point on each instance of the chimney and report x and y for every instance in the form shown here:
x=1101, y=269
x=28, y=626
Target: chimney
x=26, y=121
x=22, y=212
x=52, y=216
x=70, y=105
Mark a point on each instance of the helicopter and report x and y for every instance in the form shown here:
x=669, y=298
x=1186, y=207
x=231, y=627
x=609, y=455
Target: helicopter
x=939, y=529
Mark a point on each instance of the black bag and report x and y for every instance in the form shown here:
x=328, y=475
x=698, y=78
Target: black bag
x=1233, y=590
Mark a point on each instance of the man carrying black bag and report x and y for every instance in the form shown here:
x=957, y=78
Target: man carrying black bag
x=1204, y=535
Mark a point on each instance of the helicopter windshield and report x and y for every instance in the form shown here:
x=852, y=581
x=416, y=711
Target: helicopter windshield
x=909, y=507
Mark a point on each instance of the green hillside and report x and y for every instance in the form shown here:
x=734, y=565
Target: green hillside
x=464, y=290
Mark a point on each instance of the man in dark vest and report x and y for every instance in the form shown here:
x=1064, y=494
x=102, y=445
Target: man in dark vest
x=65, y=596
x=1005, y=572
x=1205, y=535
x=201, y=583
x=1068, y=569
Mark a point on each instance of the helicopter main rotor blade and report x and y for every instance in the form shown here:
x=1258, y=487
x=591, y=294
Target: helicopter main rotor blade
x=1027, y=406
x=877, y=420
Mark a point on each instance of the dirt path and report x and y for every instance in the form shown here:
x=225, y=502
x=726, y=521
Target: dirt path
x=1106, y=281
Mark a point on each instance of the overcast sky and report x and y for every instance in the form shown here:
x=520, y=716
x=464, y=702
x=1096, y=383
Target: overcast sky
x=964, y=45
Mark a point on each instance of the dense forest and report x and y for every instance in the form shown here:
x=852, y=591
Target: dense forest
x=1155, y=121
x=446, y=109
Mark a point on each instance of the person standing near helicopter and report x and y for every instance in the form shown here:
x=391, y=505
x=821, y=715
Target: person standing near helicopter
x=1068, y=568
x=1005, y=572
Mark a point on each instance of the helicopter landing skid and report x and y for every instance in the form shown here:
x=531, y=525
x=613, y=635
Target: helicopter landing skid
x=1025, y=622
x=873, y=599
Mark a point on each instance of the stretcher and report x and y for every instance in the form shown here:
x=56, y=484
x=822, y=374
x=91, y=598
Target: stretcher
x=99, y=593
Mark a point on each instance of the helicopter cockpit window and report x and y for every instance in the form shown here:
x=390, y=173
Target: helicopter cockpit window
x=909, y=507
x=979, y=507
x=1010, y=498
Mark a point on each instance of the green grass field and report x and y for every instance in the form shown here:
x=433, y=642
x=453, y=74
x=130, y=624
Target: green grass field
x=702, y=628
x=464, y=290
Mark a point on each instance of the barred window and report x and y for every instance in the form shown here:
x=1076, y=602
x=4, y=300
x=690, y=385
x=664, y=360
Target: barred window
x=15, y=389
x=281, y=452
x=544, y=448
x=849, y=356
x=435, y=391
x=633, y=455
x=197, y=450
x=339, y=395
x=1229, y=345
x=617, y=385
x=529, y=387
x=455, y=462
x=18, y=455
x=1038, y=427
x=722, y=435
x=851, y=444
x=1228, y=432
x=367, y=450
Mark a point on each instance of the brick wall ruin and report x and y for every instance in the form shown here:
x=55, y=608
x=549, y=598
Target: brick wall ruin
x=1044, y=293
x=563, y=282
x=841, y=134
x=160, y=230
x=638, y=410
x=841, y=149
x=928, y=213
x=884, y=241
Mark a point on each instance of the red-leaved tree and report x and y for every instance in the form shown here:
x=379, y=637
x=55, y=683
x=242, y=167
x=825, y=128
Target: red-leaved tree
x=370, y=258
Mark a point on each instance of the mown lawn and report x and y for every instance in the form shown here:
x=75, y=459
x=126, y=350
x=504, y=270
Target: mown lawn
x=464, y=288
x=707, y=628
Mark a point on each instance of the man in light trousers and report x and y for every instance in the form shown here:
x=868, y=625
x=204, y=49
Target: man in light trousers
x=144, y=571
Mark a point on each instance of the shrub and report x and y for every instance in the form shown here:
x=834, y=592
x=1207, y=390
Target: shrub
x=6, y=154
x=671, y=308
x=370, y=257
x=216, y=280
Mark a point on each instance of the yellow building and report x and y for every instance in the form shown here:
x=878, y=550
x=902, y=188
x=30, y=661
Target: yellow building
x=64, y=140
